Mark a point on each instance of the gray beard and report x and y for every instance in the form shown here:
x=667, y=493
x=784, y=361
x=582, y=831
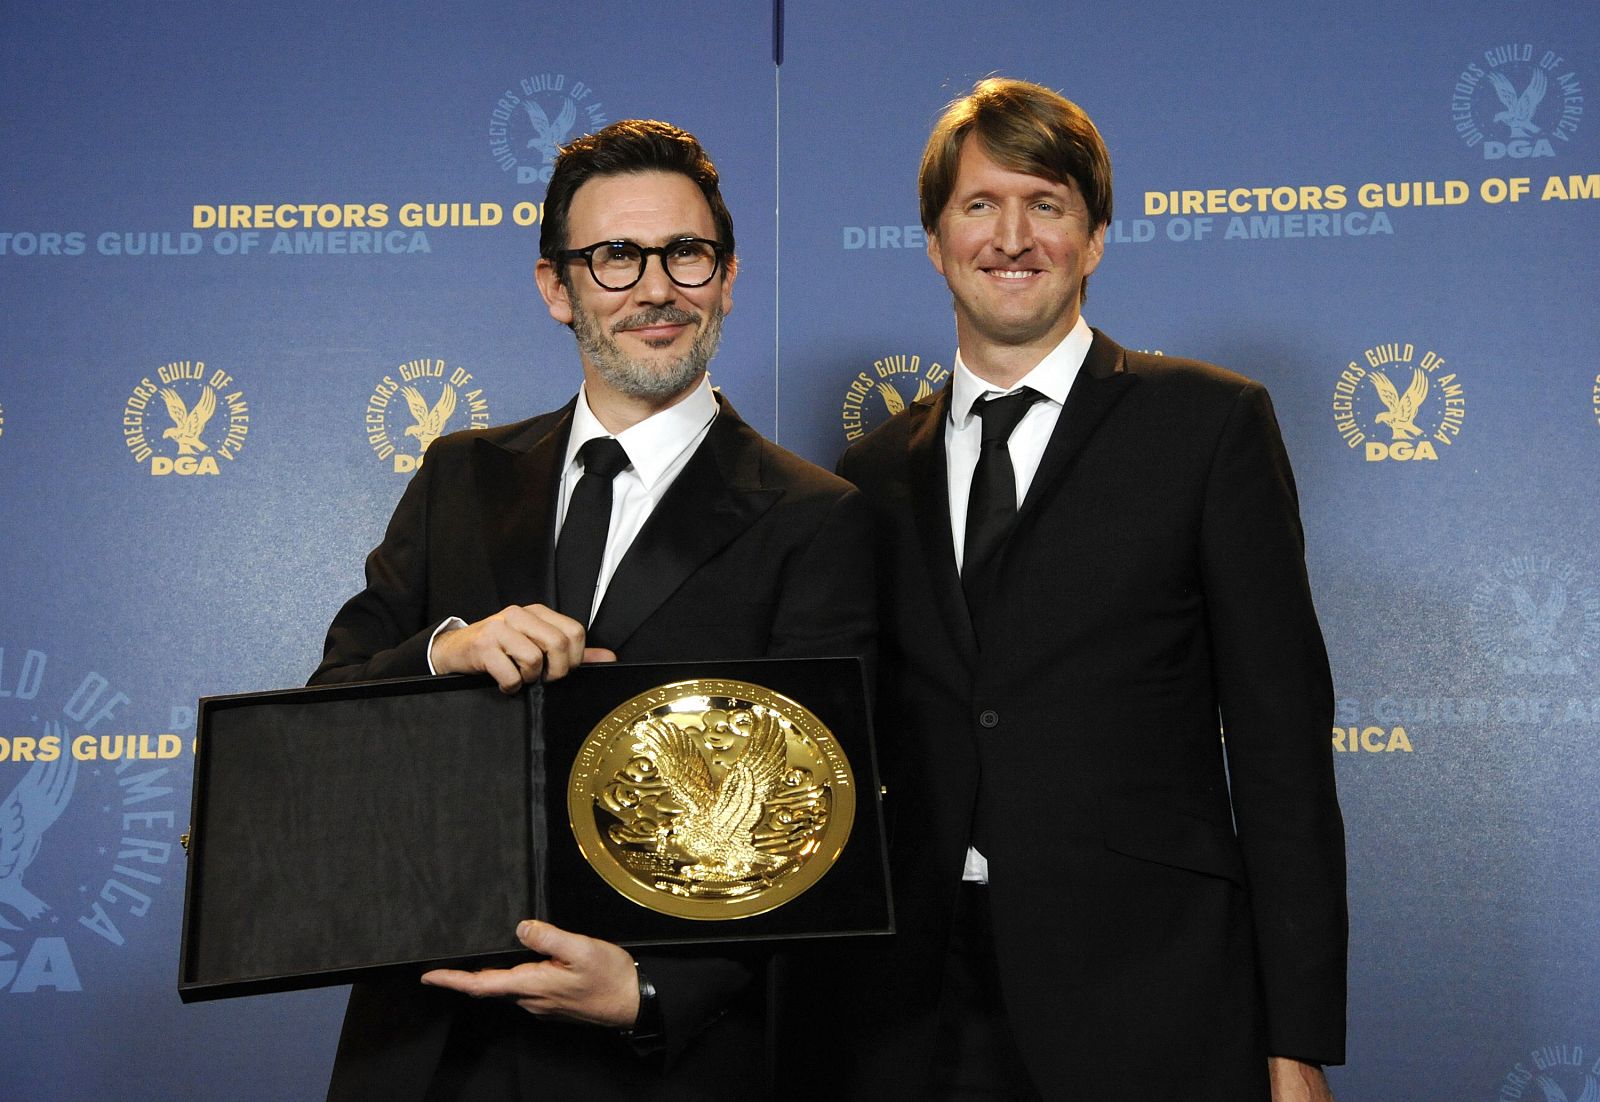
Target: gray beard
x=647, y=379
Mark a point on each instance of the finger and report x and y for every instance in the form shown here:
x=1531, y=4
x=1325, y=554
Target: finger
x=558, y=632
x=525, y=981
x=598, y=654
x=526, y=654
x=549, y=632
x=476, y=984
x=551, y=941
x=499, y=665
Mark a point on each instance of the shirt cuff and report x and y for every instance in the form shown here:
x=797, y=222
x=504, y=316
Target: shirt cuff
x=451, y=624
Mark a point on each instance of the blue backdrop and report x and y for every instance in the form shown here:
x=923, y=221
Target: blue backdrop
x=306, y=210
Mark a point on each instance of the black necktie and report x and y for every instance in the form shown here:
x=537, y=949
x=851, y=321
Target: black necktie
x=583, y=534
x=992, y=504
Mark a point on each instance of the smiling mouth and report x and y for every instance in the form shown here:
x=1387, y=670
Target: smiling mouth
x=656, y=334
x=657, y=327
x=1014, y=274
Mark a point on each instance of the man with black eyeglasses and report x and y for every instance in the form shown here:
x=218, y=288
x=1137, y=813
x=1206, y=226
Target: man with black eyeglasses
x=643, y=521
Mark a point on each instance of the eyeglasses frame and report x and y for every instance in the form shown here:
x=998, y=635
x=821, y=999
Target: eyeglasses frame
x=719, y=253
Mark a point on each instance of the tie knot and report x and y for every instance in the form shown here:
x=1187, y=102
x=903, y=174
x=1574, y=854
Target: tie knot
x=603, y=456
x=1000, y=415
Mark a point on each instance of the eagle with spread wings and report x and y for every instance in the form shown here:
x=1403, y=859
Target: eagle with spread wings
x=1539, y=622
x=1518, y=114
x=34, y=804
x=716, y=829
x=1553, y=1092
x=430, y=422
x=1401, y=409
x=549, y=136
x=892, y=400
x=188, y=424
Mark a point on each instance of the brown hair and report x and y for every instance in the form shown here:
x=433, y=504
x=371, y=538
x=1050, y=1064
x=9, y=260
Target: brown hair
x=1024, y=127
x=625, y=147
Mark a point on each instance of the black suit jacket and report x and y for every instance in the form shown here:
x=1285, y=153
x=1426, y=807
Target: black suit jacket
x=752, y=552
x=1166, y=913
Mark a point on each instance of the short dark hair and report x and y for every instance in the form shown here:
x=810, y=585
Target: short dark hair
x=625, y=147
x=1024, y=127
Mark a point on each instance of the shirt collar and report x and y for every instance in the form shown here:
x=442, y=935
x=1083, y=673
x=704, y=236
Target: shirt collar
x=655, y=443
x=1052, y=376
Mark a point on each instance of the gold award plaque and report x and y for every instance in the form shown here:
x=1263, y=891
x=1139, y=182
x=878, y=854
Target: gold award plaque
x=711, y=799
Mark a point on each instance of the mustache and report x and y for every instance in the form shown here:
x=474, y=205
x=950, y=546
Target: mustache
x=656, y=315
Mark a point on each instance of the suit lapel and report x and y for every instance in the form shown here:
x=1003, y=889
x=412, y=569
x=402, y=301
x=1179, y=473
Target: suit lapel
x=715, y=497
x=517, y=492
x=930, y=503
x=1102, y=381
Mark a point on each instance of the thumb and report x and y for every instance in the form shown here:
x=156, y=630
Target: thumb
x=548, y=940
x=598, y=654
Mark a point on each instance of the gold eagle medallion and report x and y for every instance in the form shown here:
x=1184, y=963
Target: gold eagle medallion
x=711, y=799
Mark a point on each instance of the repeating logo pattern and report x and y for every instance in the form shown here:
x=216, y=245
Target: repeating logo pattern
x=1553, y=1073
x=88, y=822
x=1517, y=101
x=206, y=419
x=1393, y=405
x=415, y=404
x=1538, y=615
x=531, y=122
x=885, y=389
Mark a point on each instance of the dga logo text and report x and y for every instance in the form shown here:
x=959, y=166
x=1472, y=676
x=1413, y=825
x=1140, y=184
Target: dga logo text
x=1391, y=404
x=186, y=419
x=530, y=124
x=415, y=404
x=1535, y=614
x=1561, y=1073
x=88, y=822
x=1517, y=101
x=877, y=394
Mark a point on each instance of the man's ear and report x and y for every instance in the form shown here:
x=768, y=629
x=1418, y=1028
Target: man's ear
x=933, y=251
x=730, y=268
x=1097, y=249
x=553, y=291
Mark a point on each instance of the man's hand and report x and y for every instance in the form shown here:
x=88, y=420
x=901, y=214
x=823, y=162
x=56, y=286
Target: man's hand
x=585, y=979
x=516, y=646
x=1293, y=1081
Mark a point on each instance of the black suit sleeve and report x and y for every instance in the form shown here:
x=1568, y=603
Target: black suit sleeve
x=826, y=602
x=382, y=631
x=1276, y=698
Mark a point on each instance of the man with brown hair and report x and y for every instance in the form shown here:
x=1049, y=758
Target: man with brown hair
x=1092, y=558
x=616, y=526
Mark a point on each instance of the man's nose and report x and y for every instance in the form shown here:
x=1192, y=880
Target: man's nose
x=1013, y=231
x=654, y=286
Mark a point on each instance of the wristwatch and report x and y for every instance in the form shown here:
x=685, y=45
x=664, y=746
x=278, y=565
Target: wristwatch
x=648, y=1033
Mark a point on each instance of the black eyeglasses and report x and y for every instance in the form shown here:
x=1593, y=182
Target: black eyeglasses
x=618, y=265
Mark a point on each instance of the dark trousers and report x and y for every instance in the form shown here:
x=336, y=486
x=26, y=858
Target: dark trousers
x=978, y=1059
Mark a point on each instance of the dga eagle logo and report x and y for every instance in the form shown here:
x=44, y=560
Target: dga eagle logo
x=885, y=389
x=186, y=419
x=530, y=124
x=1517, y=101
x=88, y=822
x=415, y=404
x=33, y=805
x=1553, y=1073
x=1537, y=615
x=1373, y=414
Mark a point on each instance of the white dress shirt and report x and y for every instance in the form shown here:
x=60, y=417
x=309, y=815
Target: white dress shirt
x=658, y=449
x=1053, y=377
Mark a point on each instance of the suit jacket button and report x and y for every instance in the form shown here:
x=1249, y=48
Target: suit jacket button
x=989, y=718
